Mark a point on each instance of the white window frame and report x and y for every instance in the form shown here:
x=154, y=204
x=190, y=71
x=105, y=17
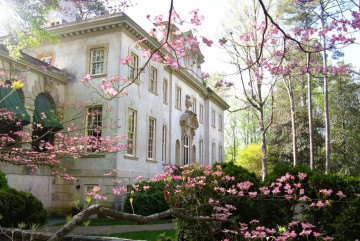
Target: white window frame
x=178, y=97
x=165, y=91
x=94, y=71
x=133, y=67
x=92, y=121
x=163, y=144
x=131, y=123
x=220, y=122
x=153, y=80
x=213, y=120
x=151, y=139
x=91, y=117
x=201, y=113
x=47, y=59
x=213, y=153
x=186, y=150
x=194, y=105
x=220, y=153
x=201, y=152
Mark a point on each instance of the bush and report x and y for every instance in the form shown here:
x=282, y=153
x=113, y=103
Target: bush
x=147, y=202
x=20, y=207
x=341, y=220
x=3, y=181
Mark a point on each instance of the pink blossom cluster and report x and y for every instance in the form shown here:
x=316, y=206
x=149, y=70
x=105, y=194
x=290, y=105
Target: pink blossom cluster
x=204, y=185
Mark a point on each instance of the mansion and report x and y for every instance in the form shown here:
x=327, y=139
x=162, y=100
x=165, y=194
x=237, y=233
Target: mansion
x=169, y=117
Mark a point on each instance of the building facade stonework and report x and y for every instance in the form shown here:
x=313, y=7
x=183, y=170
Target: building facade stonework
x=168, y=116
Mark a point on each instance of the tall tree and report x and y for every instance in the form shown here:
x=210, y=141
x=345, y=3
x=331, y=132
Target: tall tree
x=248, y=54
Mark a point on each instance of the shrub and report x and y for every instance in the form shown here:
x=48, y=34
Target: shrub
x=341, y=219
x=20, y=207
x=3, y=181
x=147, y=202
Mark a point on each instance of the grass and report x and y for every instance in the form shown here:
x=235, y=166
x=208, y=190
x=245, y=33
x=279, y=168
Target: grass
x=108, y=222
x=143, y=235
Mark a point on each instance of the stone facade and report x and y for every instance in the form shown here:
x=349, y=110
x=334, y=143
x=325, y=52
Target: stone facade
x=184, y=117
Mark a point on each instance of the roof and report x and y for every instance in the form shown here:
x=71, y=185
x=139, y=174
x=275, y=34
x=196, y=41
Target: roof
x=36, y=65
x=122, y=21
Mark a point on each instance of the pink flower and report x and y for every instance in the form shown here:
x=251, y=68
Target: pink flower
x=125, y=61
x=326, y=192
x=340, y=194
x=119, y=191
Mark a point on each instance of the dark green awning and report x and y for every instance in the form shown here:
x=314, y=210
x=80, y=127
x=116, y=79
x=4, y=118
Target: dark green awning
x=45, y=114
x=11, y=101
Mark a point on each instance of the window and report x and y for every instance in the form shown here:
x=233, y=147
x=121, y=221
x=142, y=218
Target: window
x=178, y=98
x=220, y=122
x=213, y=151
x=220, y=153
x=46, y=60
x=165, y=91
x=151, y=138
x=186, y=150
x=194, y=105
x=48, y=57
x=201, y=114
x=131, y=133
x=201, y=152
x=45, y=122
x=97, y=58
x=153, y=80
x=212, y=118
x=163, y=144
x=93, y=126
x=12, y=101
x=133, y=66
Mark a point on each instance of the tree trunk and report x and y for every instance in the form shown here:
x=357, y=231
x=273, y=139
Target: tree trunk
x=263, y=145
x=311, y=134
x=326, y=100
x=293, y=126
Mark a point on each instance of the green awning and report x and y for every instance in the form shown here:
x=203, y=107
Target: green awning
x=45, y=114
x=11, y=101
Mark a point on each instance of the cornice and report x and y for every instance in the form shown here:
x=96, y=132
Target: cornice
x=37, y=66
x=120, y=21
x=205, y=91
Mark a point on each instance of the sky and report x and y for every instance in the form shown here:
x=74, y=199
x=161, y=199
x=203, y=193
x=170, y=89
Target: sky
x=214, y=12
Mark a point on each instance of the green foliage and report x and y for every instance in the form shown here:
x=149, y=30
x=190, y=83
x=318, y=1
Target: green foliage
x=250, y=157
x=347, y=224
x=240, y=173
x=341, y=220
x=26, y=24
x=3, y=181
x=147, y=202
x=20, y=207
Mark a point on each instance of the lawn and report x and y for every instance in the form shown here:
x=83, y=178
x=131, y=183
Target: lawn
x=143, y=235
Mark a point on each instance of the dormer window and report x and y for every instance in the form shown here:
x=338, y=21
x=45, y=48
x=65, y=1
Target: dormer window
x=46, y=60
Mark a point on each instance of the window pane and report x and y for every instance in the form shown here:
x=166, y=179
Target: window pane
x=131, y=132
x=97, y=61
x=151, y=140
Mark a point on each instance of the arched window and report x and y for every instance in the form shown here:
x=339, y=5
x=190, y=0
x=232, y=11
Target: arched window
x=46, y=122
x=193, y=155
x=13, y=115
